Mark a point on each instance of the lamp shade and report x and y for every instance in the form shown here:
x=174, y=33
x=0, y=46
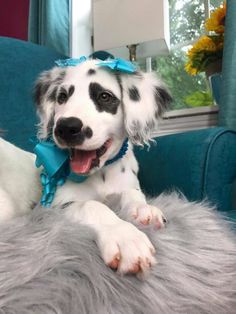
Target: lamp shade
x=118, y=23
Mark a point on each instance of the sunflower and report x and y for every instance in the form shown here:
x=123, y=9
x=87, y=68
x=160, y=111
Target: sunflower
x=206, y=50
x=204, y=43
x=216, y=21
x=189, y=68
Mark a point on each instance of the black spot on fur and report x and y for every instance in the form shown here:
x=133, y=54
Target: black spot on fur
x=103, y=99
x=53, y=95
x=88, y=132
x=123, y=169
x=119, y=81
x=91, y=72
x=33, y=205
x=134, y=94
x=60, y=78
x=40, y=90
x=134, y=172
x=163, y=100
x=43, y=84
x=67, y=204
x=103, y=177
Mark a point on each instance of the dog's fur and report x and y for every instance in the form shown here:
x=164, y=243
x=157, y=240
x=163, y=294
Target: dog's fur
x=88, y=108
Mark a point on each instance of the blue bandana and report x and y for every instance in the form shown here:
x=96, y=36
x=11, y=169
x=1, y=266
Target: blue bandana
x=56, y=168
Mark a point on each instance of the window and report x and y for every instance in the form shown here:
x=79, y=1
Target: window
x=186, y=25
x=193, y=106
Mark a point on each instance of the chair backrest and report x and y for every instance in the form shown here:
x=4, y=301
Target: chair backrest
x=21, y=62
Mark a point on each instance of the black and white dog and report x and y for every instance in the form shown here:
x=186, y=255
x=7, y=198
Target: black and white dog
x=90, y=110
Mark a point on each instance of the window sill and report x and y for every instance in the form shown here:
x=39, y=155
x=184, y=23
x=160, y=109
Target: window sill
x=182, y=120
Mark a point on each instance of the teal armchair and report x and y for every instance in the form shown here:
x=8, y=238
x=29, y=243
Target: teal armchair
x=200, y=164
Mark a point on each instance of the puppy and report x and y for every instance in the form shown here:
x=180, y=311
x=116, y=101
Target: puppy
x=20, y=187
x=90, y=111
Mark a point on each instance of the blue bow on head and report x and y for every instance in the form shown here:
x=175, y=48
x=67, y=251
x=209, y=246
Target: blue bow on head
x=114, y=64
x=119, y=65
x=70, y=62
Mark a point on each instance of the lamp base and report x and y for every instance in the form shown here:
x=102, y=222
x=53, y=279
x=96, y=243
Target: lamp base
x=132, y=52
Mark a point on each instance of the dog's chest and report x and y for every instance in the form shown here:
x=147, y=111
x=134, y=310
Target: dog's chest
x=116, y=178
x=112, y=179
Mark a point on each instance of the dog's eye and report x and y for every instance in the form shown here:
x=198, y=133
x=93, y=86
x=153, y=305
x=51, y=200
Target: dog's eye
x=62, y=98
x=105, y=97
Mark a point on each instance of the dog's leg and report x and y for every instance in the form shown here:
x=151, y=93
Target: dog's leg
x=133, y=203
x=122, y=245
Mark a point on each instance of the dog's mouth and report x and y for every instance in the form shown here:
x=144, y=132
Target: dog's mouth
x=82, y=161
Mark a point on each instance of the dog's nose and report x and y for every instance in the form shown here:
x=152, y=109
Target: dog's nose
x=68, y=129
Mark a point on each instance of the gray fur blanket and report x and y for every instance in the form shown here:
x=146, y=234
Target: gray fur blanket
x=48, y=265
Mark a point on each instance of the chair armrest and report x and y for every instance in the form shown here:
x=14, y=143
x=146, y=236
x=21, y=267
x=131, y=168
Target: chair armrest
x=201, y=164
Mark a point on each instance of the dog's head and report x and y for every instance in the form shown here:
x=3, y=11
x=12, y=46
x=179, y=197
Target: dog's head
x=91, y=109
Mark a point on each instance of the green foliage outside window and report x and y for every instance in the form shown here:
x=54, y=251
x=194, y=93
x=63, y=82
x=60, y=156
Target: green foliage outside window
x=186, y=24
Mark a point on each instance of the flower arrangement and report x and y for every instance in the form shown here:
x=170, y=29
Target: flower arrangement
x=208, y=48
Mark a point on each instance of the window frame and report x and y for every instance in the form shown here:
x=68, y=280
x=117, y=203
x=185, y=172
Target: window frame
x=182, y=120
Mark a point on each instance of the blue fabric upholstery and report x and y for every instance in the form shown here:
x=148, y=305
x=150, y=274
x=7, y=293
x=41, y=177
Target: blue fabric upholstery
x=200, y=163
x=21, y=62
x=227, y=114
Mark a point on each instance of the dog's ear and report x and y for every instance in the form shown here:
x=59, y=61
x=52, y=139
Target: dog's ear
x=45, y=95
x=145, y=98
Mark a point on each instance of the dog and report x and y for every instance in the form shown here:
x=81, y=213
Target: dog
x=90, y=111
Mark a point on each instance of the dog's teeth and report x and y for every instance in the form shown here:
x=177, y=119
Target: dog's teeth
x=72, y=152
x=101, y=151
x=95, y=163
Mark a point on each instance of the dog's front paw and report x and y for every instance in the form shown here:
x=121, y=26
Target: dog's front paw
x=148, y=215
x=126, y=249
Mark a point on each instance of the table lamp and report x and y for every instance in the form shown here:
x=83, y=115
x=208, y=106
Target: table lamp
x=131, y=29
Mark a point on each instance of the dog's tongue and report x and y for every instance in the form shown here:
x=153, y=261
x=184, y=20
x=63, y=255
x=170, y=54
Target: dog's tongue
x=82, y=160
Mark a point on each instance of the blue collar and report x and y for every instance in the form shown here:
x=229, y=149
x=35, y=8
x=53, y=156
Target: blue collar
x=56, y=168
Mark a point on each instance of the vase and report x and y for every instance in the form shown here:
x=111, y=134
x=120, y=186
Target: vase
x=214, y=67
x=214, y=77
x=215, y=86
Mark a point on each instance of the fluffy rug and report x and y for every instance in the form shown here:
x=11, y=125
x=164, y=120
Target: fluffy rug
x=48, y=265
